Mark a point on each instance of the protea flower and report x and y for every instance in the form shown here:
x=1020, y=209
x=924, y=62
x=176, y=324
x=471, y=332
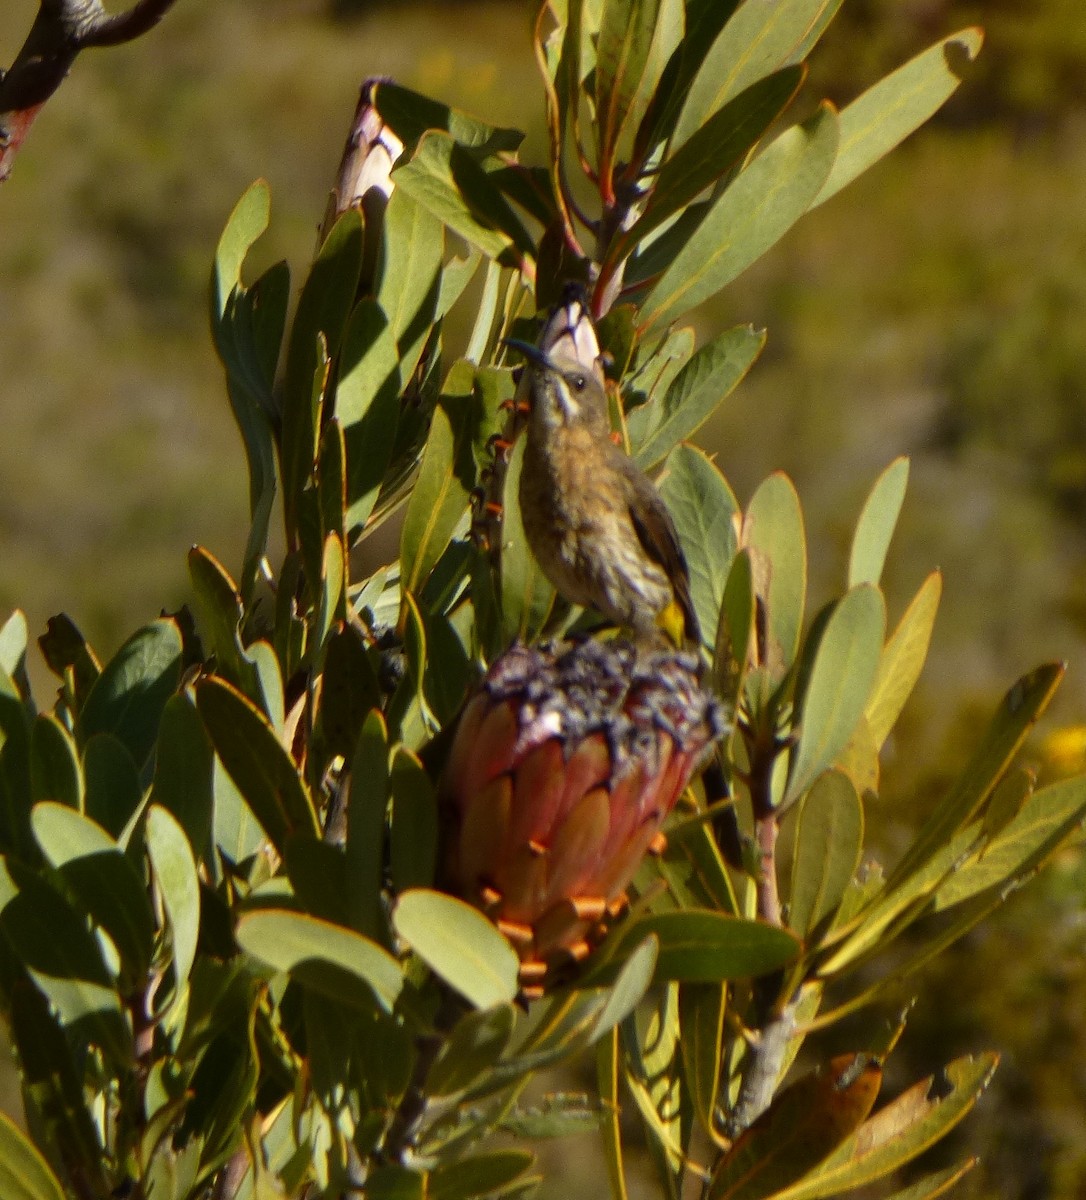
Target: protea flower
x=562, y=771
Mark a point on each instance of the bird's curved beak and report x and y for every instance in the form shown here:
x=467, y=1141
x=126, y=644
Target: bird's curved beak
x=532, y=353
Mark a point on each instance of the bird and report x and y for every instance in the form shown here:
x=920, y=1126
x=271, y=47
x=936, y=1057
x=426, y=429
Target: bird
x=594, y=521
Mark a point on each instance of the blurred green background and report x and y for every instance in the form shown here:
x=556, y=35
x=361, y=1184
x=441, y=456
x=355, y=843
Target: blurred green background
x=936, y=308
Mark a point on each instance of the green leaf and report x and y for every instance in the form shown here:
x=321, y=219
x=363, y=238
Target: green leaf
x=441, y=497
x=711, y=152
x=527, y=596
x=102, y=879
x=256, y=761
x=561, y=1114
x=1046, y=820
x=474, y=1046
x=325, y=956
x=630, y=985
x=900, y=1131
x=367, y=805
x=128, y=697
x=1020, y=708
x=323, y=308
x=701, y=946
x=753, y=213
x=800, y=1128
x=458, y=943
x=703, y=508
x=113, y=791
x=828, y=845
x=409, y=277
x=245, y=225
x=56, y=946
x=55, y=773
x=409, y=115
x=413, y=835
x=935, y=1184
x=367, y=406
x=840, y=682
x=757, y=40
x=623, y=53
x=447, y=181
x=701, y=1021
x=219, y=604
x=694, y=395
x=349, y=689
x=13, y=640
x=773, y=533
x=184, y=771
x=735, y=631
x=874, y=123
x=478, y=1174
x=876, y=524
x=24, y=1174
x=902, y=660
x=175, y=873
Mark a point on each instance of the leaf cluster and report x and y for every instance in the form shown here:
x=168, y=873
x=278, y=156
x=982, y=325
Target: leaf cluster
x=226, y=957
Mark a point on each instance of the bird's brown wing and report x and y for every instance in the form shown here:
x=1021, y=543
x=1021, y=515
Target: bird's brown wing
x=657, y=534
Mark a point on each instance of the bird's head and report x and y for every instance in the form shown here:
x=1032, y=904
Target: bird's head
x=562, y=390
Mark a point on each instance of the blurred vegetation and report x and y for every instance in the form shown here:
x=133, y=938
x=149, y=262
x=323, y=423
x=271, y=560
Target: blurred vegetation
x=936, y=308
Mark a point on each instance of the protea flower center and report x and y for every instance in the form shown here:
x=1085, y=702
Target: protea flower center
x=562, y=771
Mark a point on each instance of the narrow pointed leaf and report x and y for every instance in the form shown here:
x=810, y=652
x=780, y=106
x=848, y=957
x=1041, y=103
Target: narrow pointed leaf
x=256, y=761
x=623, y=52
x=458, y=943
x=887, y=113
x=694, y=394
x=803, y=1125
x=896, y=1134
x=175, y=874
x=773, y=531
x=414, y=832
x=128, y=697
x=703, y=508
x=441, y=496
x=711, y=152
x=876, y=524
x=24, y=1174
x=839, y=684
x=757, y=40
x=55, y=773
x=475, y=1044
x=701, y=1020
x=902, y=660
x=409, y=115
x=1020, y=709
x=828, y=845
x=753, y=213
x=701, y=946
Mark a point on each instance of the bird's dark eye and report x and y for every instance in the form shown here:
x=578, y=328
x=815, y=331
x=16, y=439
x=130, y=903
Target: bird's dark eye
x=579, y=382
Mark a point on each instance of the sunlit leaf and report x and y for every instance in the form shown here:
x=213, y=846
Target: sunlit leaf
x=773, y=532
x=694, y=395
x=24, y=1173
x=839, y=684
x=409, y=115
x=175, y=874
x=1020, y=708
x=700, y=946
x=128, y=697
x=757, y=40
x=887, y=113
x=828, y=845
x=902, y=660
x=256, y=761
x=900, y=1131
x=458, y=943
x=876, y=524
x=703, y=508
x=325, y=956
x=760, y=205
x=803, y=1125
x=701, y=1020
